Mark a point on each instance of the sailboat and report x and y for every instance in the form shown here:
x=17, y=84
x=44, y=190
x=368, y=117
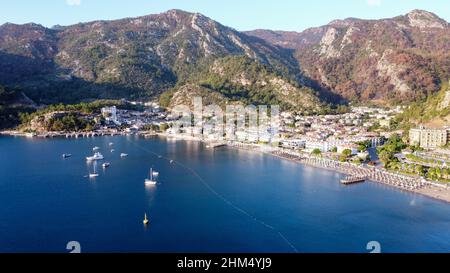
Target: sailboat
x=150, y=181
x=145, y=221
x=95, y=173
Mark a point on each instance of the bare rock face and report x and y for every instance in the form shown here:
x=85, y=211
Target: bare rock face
x=446, y=101
x=134, y=57
x=425, y=20
x=39, y=123
x=400, y=59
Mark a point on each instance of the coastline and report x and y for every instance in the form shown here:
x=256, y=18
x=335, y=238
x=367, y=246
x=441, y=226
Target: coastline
x=426, y=188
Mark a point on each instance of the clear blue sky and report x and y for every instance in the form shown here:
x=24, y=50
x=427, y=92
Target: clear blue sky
x=239, y=14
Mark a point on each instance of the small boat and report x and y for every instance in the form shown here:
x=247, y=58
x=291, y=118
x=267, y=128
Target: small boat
x=95, y=173
x=96, y=156
x=66, y=155
x=123, y=155
x=171, y=161
x=155, y=173
x=96, y=148
x=111, y=144
x=150, y=181
x=145, y=221
x=112, y=150
x=106, y=165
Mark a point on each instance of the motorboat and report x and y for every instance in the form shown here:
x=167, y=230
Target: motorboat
x=150, y=181
x=145, y=221
x=96, y=156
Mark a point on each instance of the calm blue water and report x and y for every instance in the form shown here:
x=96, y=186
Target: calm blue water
x=207, y=201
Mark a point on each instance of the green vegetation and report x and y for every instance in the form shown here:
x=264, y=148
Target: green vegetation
x=421, y=112
x=422, y=160
x=81, y=108
x=69, y=123
x=392, y=146
x=374, y=127
x=364, y=145
x=242, y=79
x=395, y=145
x=439, y=174
x=164, y=127
x=9, y=114
x=345, y=155
x=316, y=152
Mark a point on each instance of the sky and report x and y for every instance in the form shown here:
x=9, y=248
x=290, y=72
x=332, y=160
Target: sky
x=291, y=15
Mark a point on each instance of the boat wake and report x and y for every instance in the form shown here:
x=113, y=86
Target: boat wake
x=218, y=195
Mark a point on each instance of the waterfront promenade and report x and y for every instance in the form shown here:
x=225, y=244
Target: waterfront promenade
x=404, y=182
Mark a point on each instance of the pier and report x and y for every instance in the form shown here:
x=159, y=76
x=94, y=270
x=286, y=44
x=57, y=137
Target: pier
x=401, y=181
x=214, y=145
x=353, y=180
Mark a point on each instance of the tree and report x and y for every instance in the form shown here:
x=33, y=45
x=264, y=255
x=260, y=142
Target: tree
x=357, y=161
x=347, y=152
x=419, y=170
x=334, y=150
x=385, y=157
x=316, y=152
x=163, y=127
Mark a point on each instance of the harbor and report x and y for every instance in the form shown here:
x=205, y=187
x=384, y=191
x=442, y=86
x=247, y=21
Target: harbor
x=186, y=206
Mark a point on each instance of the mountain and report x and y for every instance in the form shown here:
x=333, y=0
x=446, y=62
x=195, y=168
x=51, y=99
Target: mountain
x=176, y=54
x=401, y=59
x=134, y=58
x=434, y=112
x=245, y=80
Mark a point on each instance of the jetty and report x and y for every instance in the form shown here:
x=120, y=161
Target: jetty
x=354, y=179
x=216, y=144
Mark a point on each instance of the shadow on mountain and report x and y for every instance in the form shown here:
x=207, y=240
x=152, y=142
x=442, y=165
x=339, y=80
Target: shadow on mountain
x=47, y=83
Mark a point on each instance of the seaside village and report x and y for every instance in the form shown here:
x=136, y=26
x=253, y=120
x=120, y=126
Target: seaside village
x=349, y=143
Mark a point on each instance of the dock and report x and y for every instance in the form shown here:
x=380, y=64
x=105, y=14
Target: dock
x=353, y=179
x=214, y=145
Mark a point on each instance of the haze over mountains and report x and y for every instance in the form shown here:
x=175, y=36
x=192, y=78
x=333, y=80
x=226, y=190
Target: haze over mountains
x=182, y=54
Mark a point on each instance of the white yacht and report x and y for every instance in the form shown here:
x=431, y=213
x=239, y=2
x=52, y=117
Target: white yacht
x=96, y=156
x=111, y=144
x=96, y=148
x=123, y=155
x=150, y=181
x=155, y=173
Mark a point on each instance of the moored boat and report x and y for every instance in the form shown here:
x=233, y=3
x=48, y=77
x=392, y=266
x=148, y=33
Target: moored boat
x=96, y=156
